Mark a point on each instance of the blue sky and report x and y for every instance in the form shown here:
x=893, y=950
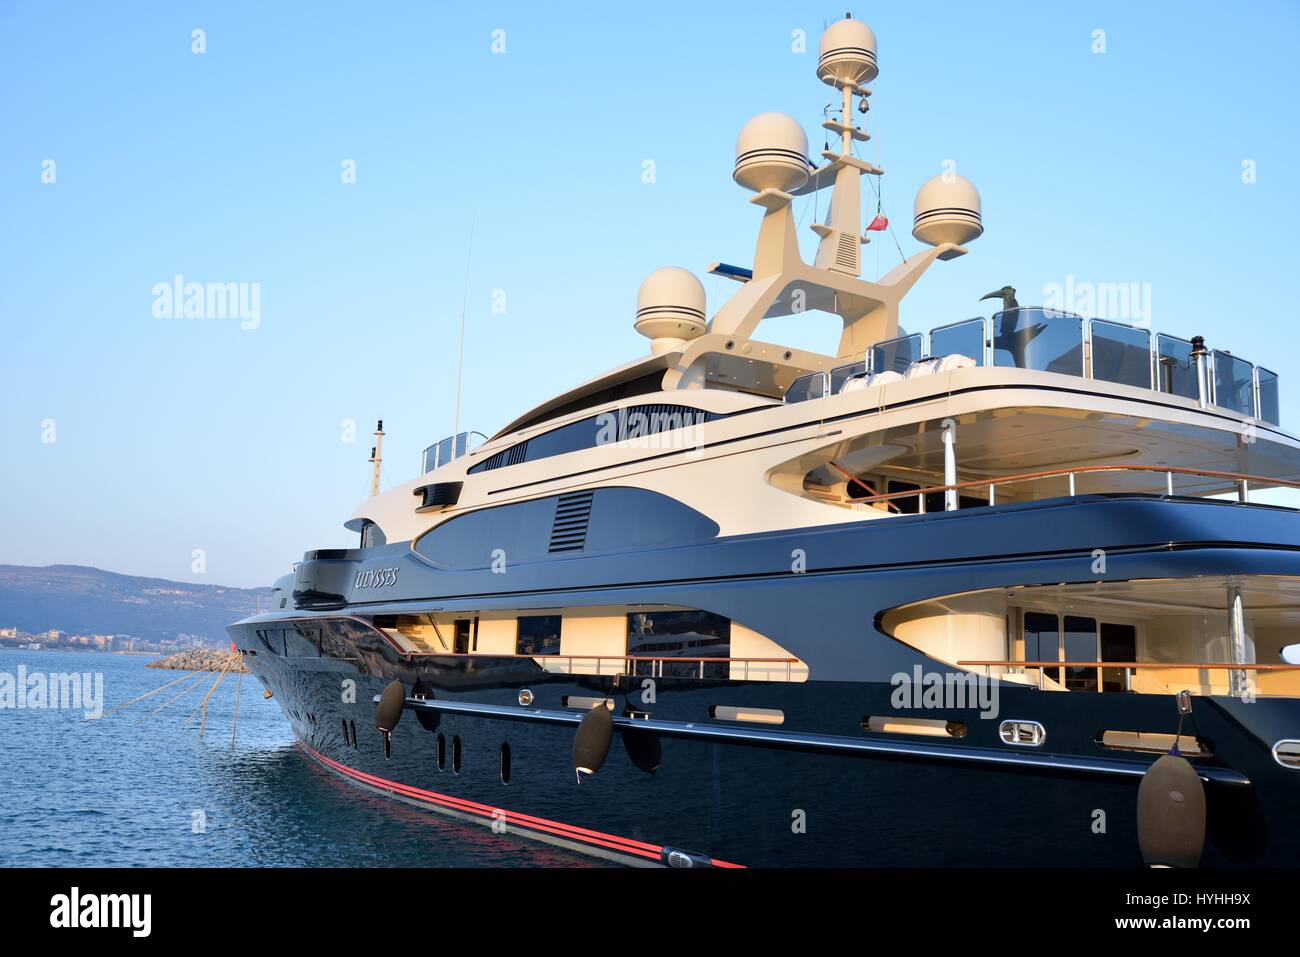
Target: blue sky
x=225, y=166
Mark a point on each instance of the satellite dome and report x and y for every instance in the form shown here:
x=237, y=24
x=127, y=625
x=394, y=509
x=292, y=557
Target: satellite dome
x=670, y=308
x=848, y=54
x=947, y=211
x=771, y=153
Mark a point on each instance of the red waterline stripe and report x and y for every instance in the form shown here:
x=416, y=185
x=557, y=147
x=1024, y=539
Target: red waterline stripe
x=484, y=810
x=612, y=841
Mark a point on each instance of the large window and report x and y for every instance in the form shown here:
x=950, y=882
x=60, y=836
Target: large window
x=538, y=635
x=615, y=425
x=679, y=634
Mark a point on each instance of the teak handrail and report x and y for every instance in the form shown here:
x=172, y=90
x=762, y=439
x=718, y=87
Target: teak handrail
x=1214, y=666
x=1049, y=473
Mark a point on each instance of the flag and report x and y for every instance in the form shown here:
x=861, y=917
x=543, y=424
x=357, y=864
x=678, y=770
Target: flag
x=879, y=224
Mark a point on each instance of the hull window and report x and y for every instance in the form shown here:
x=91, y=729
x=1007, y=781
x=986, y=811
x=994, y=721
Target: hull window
x=505, y=763
x=455, y=754
x=442, y=752
x=698, y=637
x=538, y=635
x=929, y=727
x=726, y=712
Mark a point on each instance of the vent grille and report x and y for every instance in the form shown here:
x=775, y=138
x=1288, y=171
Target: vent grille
x=511, y=456
x=846, y=253
x=572, y=515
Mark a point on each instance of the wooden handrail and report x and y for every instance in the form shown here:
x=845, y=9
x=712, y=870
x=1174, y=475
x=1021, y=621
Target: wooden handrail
x=1079, y=470
x=1215, y=666
x=687, y=658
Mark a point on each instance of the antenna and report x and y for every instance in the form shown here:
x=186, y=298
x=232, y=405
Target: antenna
x=847, y=62
x=376, y=458
x=460, y=361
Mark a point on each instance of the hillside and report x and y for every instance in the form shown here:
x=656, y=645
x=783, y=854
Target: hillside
x=84, y=600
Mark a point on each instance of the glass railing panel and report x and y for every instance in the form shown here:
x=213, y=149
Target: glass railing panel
x=1041, y=339
x=1269, y=404
x=959, y=339
x=1234, y=383
x=896, y=355
x=1175, y=369
x=814, y=385
x=842, y=374
x=1121, y=353
x=439, y=454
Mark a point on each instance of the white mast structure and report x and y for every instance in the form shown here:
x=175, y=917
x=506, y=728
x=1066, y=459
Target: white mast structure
x=376, y=458
x=771, y=161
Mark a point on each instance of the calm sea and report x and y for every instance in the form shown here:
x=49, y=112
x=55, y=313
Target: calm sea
x=121, y=791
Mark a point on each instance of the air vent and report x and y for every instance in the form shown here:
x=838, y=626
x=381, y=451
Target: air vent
x=438, y=495
x=572, y=514
x=846, y=252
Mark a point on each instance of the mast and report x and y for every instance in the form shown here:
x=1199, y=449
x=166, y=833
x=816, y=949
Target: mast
x=376, y=458
x=848, y=61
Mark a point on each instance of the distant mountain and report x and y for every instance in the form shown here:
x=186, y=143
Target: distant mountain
x=83, y=600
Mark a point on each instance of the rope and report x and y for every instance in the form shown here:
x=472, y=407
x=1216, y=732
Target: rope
x=183, y=691
x=147, y=694
x=209, y=694
x=235, y=724
x=203, y=705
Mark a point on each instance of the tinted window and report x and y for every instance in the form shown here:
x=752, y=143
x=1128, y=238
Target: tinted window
x=679, y=634
x=538, y=635
x=1121, y=354
x=1043, y=641
x=1080, y=645
x=616, y=425
x=1118, y=643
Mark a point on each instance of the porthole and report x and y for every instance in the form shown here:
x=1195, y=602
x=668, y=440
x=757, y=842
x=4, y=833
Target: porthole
x=354, y=733
x=442, y=752
x=505, y=762
x=455, y=754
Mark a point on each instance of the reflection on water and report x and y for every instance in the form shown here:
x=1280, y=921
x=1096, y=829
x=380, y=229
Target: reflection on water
x=122, y=791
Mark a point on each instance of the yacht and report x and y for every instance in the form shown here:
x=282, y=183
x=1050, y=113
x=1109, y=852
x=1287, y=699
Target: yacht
x=1015, y=590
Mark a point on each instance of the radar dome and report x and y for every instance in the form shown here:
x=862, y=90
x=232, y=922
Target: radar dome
x=771, y=153
x=848, y=53
x=947, y=211
x=670, y=308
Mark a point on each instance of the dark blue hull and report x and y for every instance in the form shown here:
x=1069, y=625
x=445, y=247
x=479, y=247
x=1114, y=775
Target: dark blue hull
x=817, y=790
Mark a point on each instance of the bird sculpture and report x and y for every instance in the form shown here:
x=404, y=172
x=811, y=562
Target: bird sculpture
x=1008, y=296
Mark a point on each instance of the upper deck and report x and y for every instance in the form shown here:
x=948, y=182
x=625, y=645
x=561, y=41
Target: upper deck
x=1048, y=341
